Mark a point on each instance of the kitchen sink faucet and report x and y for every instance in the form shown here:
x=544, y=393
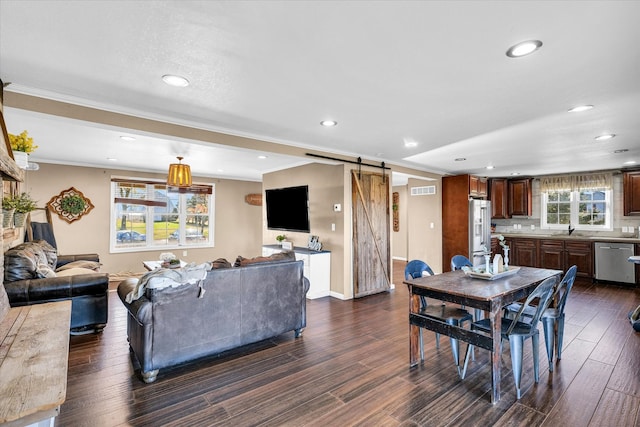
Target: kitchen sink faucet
x=571, y=229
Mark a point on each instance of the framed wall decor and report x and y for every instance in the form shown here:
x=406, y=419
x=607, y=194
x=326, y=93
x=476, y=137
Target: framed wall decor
x=70, y=205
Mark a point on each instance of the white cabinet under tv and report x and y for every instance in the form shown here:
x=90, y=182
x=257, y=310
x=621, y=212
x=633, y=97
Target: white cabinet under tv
x=317, y=268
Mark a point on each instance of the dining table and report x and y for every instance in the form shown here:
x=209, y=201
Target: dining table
x=487, y=294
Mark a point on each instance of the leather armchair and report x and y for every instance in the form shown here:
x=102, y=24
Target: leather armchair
x=87, y=290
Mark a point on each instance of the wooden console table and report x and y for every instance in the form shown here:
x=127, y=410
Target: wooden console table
x=34, y=351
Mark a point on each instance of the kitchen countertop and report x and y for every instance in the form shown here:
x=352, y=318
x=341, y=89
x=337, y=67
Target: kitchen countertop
x=567, y=237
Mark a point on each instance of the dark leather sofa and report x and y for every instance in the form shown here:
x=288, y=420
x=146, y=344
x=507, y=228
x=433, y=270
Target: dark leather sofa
x=230, y=308
x=27, y=281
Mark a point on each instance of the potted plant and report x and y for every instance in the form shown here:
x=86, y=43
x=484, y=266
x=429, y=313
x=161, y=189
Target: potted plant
x=8, y=209
x=23, y=204
x=281, y=238
x=21, y=145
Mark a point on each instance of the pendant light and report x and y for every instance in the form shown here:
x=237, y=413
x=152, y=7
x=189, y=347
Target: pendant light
x=179, y=174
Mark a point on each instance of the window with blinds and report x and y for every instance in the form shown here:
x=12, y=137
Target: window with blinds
x=149, y=215
x=582, y=202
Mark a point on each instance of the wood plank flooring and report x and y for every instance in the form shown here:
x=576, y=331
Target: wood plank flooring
x=351, y=368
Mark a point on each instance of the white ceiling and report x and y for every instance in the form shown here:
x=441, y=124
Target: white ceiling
x=431, y=72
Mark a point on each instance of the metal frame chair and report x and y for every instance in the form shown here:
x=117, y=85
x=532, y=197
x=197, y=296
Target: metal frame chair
x=450, y=315
x=518, y=329
x=553, y=317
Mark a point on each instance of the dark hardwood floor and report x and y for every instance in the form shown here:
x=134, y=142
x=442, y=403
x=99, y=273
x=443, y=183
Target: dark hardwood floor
x=351, y=368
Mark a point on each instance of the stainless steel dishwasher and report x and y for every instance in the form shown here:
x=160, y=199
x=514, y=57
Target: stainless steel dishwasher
x=612, y=264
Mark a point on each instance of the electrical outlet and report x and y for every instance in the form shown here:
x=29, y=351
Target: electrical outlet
x=184, y=253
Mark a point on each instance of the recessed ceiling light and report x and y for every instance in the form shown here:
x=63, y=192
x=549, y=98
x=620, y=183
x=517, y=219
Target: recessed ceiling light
x=111, y=159
x=605, y=136
x=630, y=162
x=490, y=167
x=460, y=159
x=329, y=123
x=622, y=150
x=262, y=157
x=515, y=173
x=410, y=144
x=127, y=138
x=580, y=108
x=173, y=80
x=524, y=48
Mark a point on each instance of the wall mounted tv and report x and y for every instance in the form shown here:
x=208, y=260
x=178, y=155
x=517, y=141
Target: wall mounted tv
x=288, y=209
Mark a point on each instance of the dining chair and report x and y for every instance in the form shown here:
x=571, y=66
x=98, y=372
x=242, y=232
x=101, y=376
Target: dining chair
x=518, y=329
x=553, y=317
x=457, y=262
x=450, y=315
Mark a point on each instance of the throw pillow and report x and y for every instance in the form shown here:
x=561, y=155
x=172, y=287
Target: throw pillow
x=277, y=257
x=91, y=265
x=74, y=272
x=49, y=251
x=220, y=263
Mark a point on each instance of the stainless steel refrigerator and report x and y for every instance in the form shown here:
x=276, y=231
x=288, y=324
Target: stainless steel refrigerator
x=479, y=230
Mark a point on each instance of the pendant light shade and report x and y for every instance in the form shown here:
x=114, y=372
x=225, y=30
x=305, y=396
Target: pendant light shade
x=179, y=174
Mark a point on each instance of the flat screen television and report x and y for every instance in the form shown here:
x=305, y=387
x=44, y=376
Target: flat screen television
x=288, y=209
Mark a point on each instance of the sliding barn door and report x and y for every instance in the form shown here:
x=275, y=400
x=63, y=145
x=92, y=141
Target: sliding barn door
x=371, y=233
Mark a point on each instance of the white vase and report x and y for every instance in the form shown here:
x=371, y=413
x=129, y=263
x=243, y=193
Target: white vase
x=21, y=158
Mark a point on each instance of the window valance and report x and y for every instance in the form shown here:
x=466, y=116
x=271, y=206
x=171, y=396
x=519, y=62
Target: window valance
x=583, y=182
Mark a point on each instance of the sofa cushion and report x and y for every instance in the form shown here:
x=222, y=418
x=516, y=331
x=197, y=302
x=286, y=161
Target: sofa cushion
x=91, y=265
x=277, y=257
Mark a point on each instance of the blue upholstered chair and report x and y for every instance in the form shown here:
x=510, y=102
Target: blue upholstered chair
x=450, y=315
x=457, y=262
x=518, y=329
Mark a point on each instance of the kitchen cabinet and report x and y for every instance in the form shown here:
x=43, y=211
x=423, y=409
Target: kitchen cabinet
x=552, y=254
x=524, y=252
x=477, y=186
x=456, y=191
x=498, y=194
x=579, y=254
x=631, y=185
x=519, y=198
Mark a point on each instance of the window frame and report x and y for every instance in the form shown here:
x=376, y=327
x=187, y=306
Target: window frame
x=183, y=194
x=574, y=209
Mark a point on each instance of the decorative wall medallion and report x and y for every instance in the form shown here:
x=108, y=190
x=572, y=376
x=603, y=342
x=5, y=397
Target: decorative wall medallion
x=70, y=205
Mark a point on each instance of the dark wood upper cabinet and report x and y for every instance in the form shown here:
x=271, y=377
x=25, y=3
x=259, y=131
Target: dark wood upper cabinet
x=498, y=194
x=631, y=193
x=477, y=186
x=519, y=197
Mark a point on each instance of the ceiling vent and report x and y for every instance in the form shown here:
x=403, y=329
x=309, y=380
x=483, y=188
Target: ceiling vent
x=428, y=190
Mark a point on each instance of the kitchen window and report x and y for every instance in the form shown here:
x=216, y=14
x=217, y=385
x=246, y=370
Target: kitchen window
x=582, y=202
x=149, y=215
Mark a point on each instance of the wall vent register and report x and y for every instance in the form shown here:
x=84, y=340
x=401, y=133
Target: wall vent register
x=428, y=190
